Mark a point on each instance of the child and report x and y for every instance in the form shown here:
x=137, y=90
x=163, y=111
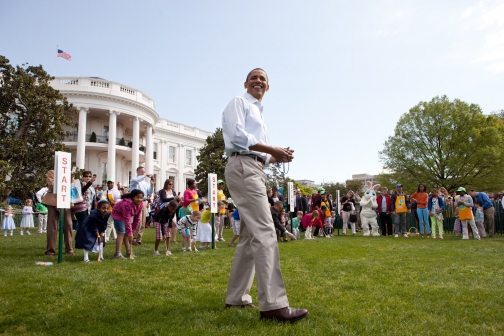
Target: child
x=8, y=221
x=204, y=235
x=315, y=222
x=90, y=235
x=184, y=227
x=295, y=223
x=306, y=223
x=283, y=221
x=27, y=221
x=330, y=224
x=42, y=218
x=130, y=207
x=235, y=219
x=436, y=206
x=164, y=220
x=480, y=218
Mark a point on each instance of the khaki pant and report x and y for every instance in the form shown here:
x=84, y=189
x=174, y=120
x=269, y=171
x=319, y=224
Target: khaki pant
x=141, y=227
x=257, y=251
x=53, y=215
x=110, y=229
x=489, y=217
x=219, y=225
x=42, y=223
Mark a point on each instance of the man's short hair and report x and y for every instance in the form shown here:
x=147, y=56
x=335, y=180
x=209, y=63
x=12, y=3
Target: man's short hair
x=299, y=213
x=278, y=203
x=139, y=168
x=267, y=79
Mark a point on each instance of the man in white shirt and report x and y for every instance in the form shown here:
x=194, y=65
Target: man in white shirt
x=246, y=141
x=147, y=189
x=113, y=196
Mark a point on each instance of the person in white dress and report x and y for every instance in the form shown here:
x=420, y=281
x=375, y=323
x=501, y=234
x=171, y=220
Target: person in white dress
x=27, y=221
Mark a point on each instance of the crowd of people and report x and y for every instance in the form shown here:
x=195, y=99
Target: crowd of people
x=123, y=216
x=471, y=211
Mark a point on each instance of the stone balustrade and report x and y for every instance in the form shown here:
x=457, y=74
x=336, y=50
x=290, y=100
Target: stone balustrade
x=99, y=85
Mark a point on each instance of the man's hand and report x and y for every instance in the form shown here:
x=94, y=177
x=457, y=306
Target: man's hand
x=291, y=236
x=281, y=155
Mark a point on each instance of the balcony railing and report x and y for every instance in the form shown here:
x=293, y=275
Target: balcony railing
x=104, y=139
x=99, y=85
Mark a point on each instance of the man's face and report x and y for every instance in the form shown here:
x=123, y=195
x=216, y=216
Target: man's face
x=257, y=84
x=399, y=189
x=472, y=193
x=384, y=191
x=141, y=171
x=110, y=185
x=219, y=186
x=278, y=207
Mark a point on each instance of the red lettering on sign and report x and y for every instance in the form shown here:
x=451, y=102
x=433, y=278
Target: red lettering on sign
x=64, y=179
x=63, y=197
x=65, y=161
x=64, y=169
x=63, y=189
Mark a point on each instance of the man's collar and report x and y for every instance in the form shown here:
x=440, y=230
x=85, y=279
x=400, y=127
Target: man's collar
x=251, y=98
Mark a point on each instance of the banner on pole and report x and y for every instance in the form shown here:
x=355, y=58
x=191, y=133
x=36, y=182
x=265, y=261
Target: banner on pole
x=290, y=198
x=212, y=192
x=62, y=179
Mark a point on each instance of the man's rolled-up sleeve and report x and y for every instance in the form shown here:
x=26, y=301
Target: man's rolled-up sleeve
x=233, y=124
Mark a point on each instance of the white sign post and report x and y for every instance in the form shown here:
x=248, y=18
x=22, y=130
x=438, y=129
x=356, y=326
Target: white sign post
x=290, y=196
x=212, y=198
x=62, y=179
x=212, y=192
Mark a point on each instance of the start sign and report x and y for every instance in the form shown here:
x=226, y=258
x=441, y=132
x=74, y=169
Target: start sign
x=62, y=179
x=212, y=192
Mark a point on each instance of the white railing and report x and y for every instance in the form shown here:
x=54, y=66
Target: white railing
x=69, y=81
x=99, y=85
x=127, y=90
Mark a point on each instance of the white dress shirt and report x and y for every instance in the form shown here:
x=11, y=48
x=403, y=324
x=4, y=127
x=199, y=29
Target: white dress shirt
x=243, y=126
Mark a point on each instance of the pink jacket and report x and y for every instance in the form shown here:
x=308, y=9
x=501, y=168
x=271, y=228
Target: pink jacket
x=124, y=210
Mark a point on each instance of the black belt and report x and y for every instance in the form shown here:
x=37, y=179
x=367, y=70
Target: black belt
x=253, y=156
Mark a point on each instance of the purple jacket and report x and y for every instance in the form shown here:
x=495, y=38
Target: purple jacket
x=124, y=210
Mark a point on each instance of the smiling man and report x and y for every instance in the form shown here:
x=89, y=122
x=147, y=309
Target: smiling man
x=246, y=141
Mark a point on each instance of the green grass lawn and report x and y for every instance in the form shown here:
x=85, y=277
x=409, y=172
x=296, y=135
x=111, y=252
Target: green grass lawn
x=351, y=286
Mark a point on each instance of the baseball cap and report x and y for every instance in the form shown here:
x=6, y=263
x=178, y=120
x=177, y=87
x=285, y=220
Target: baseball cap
x=398, y=185
x=220, y=182
x=461, y=189
x=320, y=189
x=110, y=181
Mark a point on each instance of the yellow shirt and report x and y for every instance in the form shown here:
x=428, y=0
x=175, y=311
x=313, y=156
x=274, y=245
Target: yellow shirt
x=328, y=209
x=205, y=216
x=220, y=197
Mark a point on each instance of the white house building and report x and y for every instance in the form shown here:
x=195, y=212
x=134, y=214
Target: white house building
x=118, y=129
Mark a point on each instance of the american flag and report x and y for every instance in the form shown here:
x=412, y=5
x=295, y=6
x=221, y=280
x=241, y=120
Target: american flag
x=64, y=54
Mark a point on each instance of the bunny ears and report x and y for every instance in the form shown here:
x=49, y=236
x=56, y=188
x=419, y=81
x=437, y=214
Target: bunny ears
x=369, y=185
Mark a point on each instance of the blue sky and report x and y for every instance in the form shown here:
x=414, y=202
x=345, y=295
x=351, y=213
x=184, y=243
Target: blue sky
x=341, y=72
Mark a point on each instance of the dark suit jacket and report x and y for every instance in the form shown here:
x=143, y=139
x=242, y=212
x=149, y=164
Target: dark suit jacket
x=301, y=205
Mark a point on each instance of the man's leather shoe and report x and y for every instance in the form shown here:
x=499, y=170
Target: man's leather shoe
x=249, y=305
x=286, y=314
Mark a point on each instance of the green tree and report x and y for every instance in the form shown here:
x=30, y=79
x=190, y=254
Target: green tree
x=446, y=143
x=211, y=159
x=32, y=120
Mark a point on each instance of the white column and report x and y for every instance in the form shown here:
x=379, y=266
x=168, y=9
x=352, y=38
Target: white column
x=111, y=159
x=134, y=148
x=81, y=138
x=149, y=151
x=181, y=167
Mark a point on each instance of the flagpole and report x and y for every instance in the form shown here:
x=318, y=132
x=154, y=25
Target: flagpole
x=55, y=60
